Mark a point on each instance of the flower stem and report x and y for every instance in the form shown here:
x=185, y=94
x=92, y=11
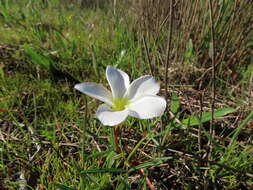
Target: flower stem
x=116, y=134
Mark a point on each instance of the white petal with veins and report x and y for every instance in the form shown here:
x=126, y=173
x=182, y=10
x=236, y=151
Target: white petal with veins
x=118, y=80
x=96, y=91
x=147, y=107
x=110, y=117
x=145, y=85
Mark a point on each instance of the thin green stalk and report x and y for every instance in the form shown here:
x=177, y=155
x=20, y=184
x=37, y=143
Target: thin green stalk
x=212, y=130
x=135, y=149
x=238, y=130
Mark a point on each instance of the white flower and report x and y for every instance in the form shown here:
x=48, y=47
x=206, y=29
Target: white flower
x=138, y=99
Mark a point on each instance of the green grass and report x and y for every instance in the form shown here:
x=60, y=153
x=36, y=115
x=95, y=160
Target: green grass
x=49, y=136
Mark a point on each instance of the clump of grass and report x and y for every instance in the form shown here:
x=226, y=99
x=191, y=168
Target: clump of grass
x=191, y=38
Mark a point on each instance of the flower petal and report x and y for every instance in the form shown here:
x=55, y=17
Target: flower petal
x=147, y=107
x=96, y=91
x=145, y=85
x=110, y=117
x=118, y=80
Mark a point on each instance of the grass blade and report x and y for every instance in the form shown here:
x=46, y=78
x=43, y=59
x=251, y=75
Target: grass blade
x=207, y=116
x=62, y=187
x=151, y=163
x=175, y=104
x=38, y=59
x=238, y=129
x=99, y=154
x=103, y=170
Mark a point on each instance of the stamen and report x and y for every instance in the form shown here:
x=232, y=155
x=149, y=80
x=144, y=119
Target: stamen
x=119, y=104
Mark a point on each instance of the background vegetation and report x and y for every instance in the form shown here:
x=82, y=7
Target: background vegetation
x=200, y=51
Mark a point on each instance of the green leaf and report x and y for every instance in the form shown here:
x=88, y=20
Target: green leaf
x=62, y=187
x=189, y=50
x=250, y=44
x=207, y=116
x=103, y=170
x=239, y=129
x=47, y=63
x=38, y=59
x=99, y=154
x=210, y=51
x=175, y=104
x=1, y=72
x=151, y=163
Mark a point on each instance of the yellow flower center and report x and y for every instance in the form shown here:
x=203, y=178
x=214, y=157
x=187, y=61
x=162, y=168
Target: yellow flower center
x=119, y=104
